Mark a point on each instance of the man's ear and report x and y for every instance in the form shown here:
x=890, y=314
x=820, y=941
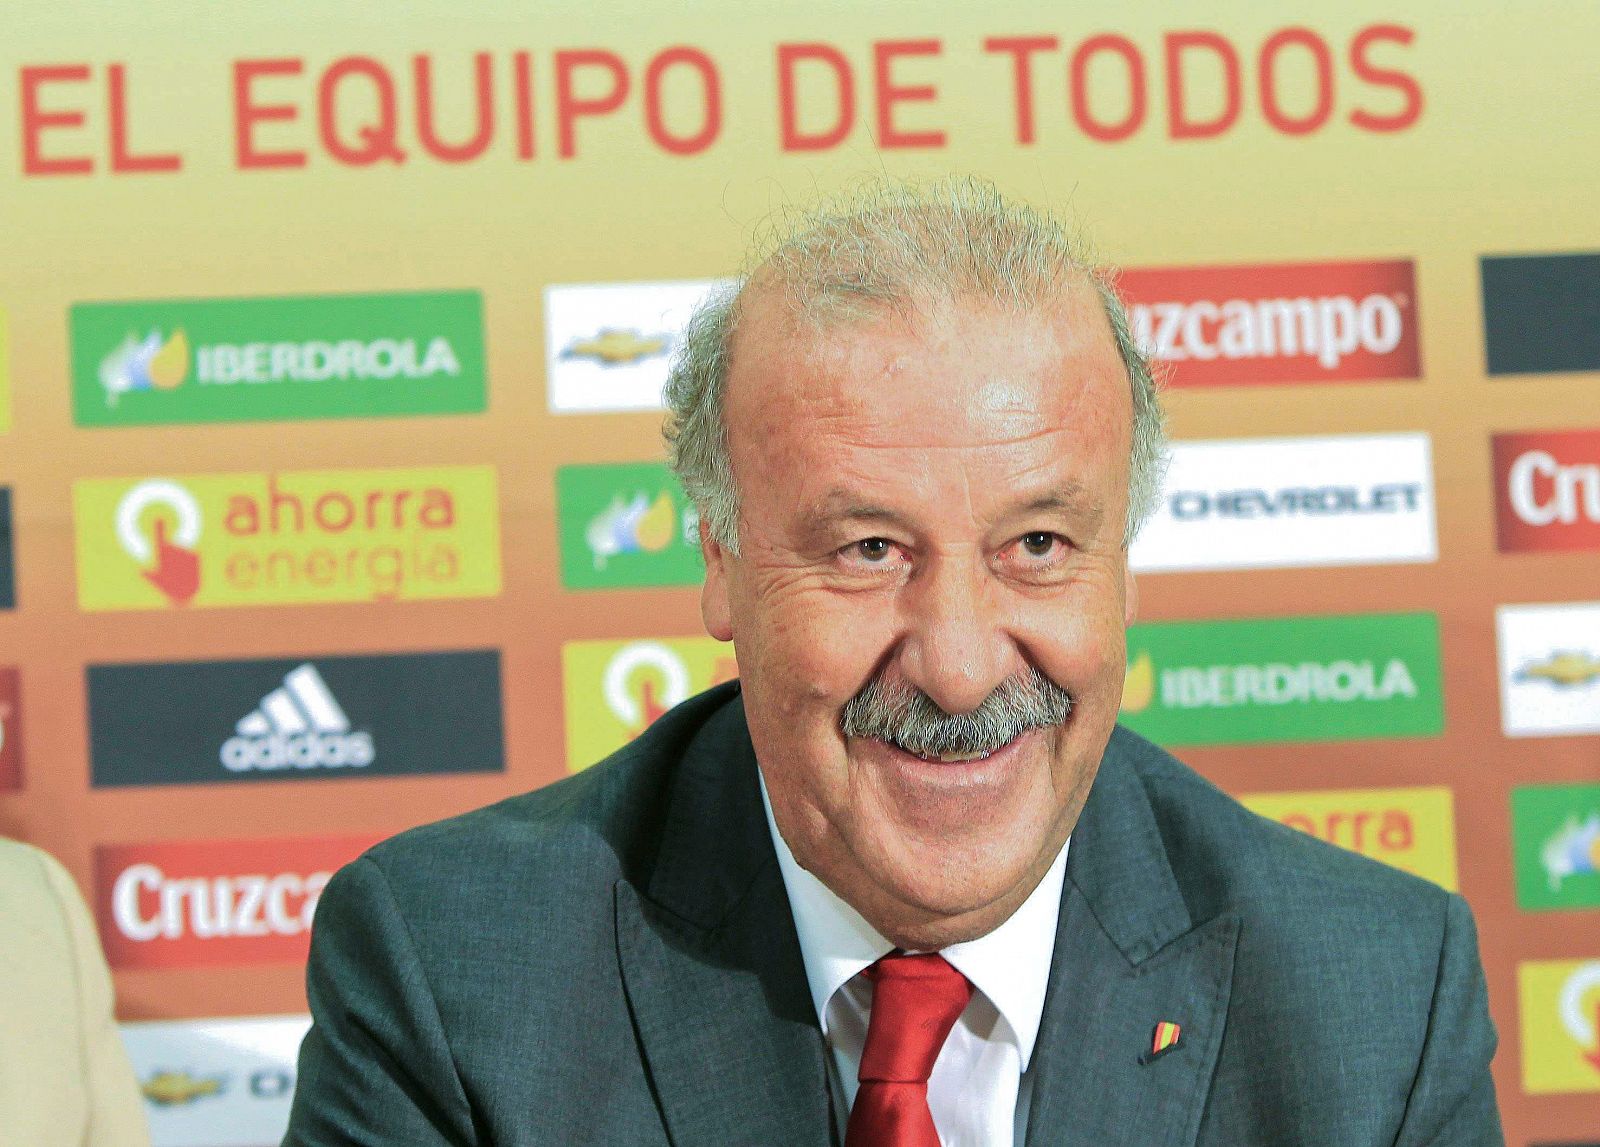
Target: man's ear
x=714, y=608
x=1130, y=593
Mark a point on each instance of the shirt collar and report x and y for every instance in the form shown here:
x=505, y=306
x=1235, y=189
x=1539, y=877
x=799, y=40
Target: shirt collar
x=1010, y=966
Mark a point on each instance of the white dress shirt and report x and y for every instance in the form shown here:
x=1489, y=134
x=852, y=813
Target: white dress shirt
x=981, y=1082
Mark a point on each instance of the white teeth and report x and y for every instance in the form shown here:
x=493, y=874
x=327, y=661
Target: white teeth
x=955, y=758
x=945, y=758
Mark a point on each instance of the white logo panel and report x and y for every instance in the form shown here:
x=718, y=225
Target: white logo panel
x=1267, y=503
x=1549, y=669
x=608, y=345
x=216, y=1083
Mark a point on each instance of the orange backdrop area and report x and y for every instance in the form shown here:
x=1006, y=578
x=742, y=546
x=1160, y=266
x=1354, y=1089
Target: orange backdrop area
x=185, y=152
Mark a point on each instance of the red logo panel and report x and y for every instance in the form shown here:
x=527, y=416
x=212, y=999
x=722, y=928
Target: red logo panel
x=10, y=729
x=1547, y=490
x=189, y=903
x=1277, y=323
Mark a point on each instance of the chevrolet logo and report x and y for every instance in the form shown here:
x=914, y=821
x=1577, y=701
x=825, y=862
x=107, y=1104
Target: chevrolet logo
x=1565, y=669
x=615, y=347
x=174, y=1088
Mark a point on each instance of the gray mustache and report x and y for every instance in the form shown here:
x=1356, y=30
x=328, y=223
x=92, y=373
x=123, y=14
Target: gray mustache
x=906, y=716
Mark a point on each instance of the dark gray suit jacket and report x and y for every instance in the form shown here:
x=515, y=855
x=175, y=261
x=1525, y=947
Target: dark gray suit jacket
x=612, y=960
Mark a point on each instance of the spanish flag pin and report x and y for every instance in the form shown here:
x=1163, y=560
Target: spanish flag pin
x=1164, y=1040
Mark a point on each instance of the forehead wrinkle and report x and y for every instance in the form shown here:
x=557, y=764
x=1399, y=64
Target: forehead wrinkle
x=968, y=455
x=858, y=362
x=1060, y=492
x=858, y=412
x=859, y=373
x=1071, y=497
x=848, y=403
x=842, y=503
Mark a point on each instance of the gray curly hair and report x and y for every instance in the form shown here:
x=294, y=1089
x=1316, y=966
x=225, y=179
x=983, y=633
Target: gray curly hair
x=895, y=247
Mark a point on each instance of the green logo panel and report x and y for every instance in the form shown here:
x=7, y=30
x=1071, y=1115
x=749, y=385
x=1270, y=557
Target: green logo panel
x=1284, y=679
x=626, y=525
x=1555, y=831
x=274, y=359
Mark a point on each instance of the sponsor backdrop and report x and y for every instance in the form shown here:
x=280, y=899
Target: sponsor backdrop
x=331, y=496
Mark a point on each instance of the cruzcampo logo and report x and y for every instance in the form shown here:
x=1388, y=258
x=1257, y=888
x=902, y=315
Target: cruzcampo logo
x=1560, y=1006
x=1413, y=829
x=1555, y=832
x=1284, y=679
x=626, y=525
x=287, y=538
x=614, y=690
x=245, y=360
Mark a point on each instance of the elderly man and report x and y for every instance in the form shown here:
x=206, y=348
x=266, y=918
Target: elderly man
x=905, y=883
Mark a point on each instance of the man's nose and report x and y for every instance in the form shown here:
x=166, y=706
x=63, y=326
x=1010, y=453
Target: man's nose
x=956, y=648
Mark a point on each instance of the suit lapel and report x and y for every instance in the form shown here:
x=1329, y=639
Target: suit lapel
x=1127, y=957
x=711, y=964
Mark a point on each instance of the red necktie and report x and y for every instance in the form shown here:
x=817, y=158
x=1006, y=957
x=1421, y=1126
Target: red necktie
x=916, y=1000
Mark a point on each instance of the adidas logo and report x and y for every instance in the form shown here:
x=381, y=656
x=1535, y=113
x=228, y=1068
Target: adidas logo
x=300, y=726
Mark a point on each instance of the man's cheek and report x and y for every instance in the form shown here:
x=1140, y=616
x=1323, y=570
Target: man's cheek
x=1088, y=664
x=831, y=652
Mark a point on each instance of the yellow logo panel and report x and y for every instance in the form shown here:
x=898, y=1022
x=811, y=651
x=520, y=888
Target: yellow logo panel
x=614, y=690
x=5, y=376
x=287, y=538
x=1413, y=829
x=1559, y=1002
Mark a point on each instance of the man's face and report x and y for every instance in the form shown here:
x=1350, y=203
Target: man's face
x=935, y=505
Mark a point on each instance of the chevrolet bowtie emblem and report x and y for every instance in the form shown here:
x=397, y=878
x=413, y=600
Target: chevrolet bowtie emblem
x=614, y=346
x=1164, y=1040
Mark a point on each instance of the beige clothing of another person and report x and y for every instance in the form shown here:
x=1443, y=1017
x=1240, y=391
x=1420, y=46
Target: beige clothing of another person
x=65, y=1080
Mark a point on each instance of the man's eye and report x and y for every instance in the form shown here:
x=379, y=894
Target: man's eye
x=874, y=549
x=1039, y=543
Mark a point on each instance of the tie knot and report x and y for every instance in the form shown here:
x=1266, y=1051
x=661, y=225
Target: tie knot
x=916, y=1000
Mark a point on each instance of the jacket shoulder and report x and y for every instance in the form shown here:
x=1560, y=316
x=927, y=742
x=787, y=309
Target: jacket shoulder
x=1227, y=858
x=583, y=832
x=1363, y=977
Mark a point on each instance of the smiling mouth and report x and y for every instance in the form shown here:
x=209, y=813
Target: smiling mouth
x=948, y=758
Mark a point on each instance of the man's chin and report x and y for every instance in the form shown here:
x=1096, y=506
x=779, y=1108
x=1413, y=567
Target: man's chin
x=923, y=911
x=923, y=894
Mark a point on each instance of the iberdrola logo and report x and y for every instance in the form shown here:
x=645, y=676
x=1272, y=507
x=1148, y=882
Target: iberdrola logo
x=167, y=555
x=155, y=362
x=1138, y=684
x=631, y=527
